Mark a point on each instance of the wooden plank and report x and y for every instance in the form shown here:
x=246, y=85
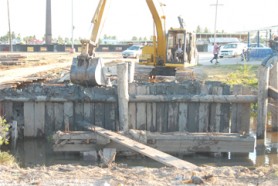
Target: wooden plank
x=58, y=116
x=18, y=113
x=78, y=113
x=99, y=114
x=194, y=98
x=145, y=150
x=273, y=109
x=68, y=116
x=150, y=125
x=132, y=108
x=273, y=93
x=29, y=119
x=246, y=108
x=161, y=117
x=236, y=111
x=201, y=142
x=8, y=110
x=193, y=117
x=218, y=91
x=215, y=112
x=262, y=101
x=240, y=122
x=182, y=117
x=1, y=109
x=225, y=112
x=141, y=109
x=39, y=119
x=89, y=114
x=154, y=126
x=49, y=119
x=110, y=116
x=173, y=111
x=204, y=111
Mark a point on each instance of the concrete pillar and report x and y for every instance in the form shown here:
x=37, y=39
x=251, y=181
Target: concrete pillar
x=122, y=88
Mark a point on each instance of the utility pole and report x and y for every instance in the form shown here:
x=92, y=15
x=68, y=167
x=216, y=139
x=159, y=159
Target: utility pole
x=72, y=28
x=215, y=20
x=9, y=23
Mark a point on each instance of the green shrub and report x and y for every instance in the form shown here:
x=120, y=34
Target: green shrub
x=6, y=159
x=4, y=129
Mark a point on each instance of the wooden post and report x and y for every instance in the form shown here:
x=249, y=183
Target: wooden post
x=273, y=82
x=122, y=70
x=262, y=101
x=14, y=133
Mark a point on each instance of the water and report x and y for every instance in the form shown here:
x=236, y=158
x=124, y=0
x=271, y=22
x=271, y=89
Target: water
x=34, y=152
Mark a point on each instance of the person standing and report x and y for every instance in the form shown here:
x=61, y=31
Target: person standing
x=216, y=49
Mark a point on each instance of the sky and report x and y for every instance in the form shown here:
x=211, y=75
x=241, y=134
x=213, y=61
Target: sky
x=127, y=18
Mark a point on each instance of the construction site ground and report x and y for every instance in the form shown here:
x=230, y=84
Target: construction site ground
x=50, y=68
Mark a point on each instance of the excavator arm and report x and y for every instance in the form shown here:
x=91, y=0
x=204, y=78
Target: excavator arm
x=87, y=69
x=159, y=20
x=89, y=46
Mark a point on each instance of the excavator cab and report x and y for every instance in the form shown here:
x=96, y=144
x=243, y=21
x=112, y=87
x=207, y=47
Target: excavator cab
x=176, y=47
x=180, y=49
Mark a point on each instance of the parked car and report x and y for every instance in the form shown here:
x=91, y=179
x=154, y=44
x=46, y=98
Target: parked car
x=133, y=51
x=232, y=50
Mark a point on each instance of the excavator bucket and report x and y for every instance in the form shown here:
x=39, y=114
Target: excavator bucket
x=87, y=71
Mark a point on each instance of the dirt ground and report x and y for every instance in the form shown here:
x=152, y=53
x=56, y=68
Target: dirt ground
x=117, y=174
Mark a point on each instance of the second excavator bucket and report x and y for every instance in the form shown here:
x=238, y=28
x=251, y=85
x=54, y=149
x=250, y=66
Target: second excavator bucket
x=87, y=71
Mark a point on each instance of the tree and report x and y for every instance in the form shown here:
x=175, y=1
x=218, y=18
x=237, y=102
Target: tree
x=198, y=29
x=60, y=40
x=206, y=30
x=134, y=38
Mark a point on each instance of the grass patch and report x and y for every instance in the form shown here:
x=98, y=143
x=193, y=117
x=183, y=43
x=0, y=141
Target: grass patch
x=233, y=74
x=6, y=159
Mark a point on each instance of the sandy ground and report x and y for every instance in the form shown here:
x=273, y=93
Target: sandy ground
x=117, y=174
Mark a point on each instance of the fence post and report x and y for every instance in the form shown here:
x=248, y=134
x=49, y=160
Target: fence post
x=262, y=101
x=122, y=88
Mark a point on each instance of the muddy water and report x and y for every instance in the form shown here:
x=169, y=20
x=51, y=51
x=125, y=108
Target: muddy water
x=33, y=152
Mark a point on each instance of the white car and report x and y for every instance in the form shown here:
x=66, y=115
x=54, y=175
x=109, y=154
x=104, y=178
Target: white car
x=133, y=51
x=232, y=50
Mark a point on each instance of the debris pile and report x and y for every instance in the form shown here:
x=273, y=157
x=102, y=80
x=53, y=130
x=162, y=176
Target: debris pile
x=12, y=59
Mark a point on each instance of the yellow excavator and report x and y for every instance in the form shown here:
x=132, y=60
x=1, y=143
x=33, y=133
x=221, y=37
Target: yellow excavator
x=168, y=50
